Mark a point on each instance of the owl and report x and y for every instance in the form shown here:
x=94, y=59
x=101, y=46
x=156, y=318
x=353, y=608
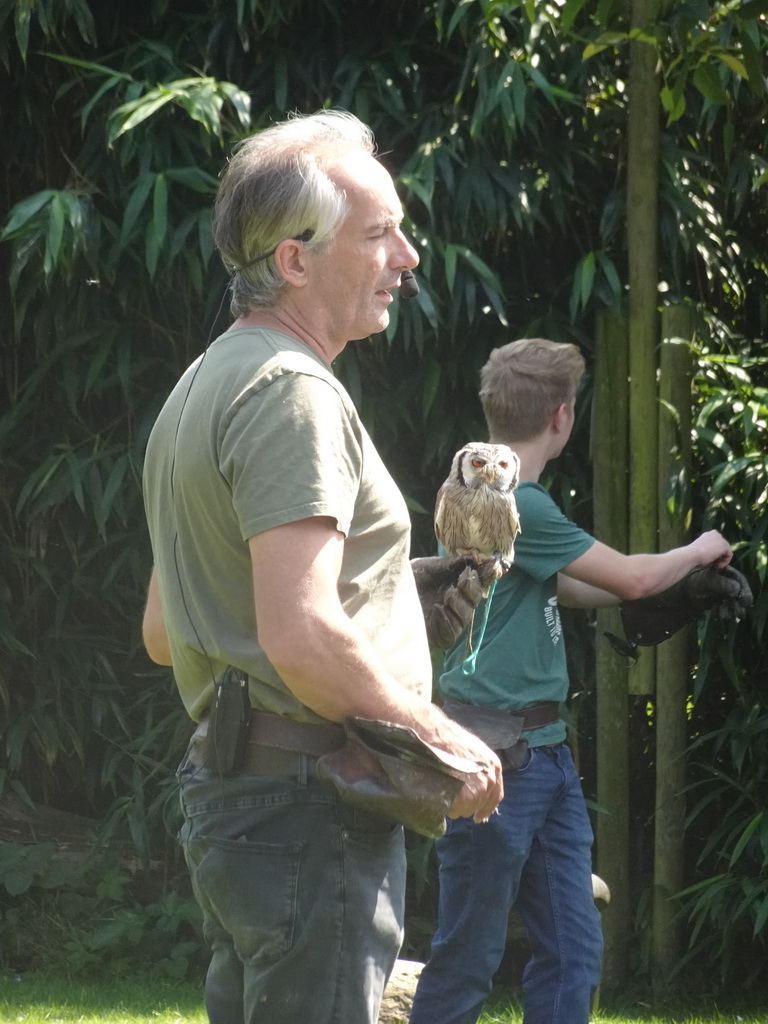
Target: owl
x=476, y=512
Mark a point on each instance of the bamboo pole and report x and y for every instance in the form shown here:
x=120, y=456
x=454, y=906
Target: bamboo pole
x=610, y=452
x=642, y=248
x=673, y=663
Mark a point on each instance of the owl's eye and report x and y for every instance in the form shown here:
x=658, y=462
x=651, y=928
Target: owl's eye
x=504, y=465
x=478, y=463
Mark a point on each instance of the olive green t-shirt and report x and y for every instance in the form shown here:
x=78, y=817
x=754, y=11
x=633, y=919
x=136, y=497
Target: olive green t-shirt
x=259, y=433
x=521, y=659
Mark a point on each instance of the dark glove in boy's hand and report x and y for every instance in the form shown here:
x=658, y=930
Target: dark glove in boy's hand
x=651, y=620
x=450, y=589
x=725, y=589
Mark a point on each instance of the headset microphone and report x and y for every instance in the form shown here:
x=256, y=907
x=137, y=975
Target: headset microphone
x=409, y=288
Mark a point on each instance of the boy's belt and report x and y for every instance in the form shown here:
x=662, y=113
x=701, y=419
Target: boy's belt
x=536, y=716
x=499, y=728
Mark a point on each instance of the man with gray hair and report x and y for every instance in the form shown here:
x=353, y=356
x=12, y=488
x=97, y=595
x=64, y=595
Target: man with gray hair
x=282, y=593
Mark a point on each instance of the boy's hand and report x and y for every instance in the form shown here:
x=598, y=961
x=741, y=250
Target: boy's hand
x=651, y=620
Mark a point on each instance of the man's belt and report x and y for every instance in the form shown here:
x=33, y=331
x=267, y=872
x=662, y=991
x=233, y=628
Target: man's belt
x=276, y=745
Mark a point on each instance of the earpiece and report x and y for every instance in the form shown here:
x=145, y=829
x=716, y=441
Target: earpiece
x=409, y=287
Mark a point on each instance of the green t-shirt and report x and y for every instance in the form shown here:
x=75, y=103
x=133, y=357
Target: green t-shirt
x=521, y=659
x=256, y=434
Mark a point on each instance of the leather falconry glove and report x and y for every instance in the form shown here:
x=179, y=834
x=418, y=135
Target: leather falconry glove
x=651, y=620
x=450, y=589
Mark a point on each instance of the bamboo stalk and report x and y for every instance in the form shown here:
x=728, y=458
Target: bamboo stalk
x=642, y=247
x=609, y=439
x=673, y=662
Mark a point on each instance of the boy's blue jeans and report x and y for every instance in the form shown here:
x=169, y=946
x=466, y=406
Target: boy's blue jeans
x=302, y=898
x=534, y=855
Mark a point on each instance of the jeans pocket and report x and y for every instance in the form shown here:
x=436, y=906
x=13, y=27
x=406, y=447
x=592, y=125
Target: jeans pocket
x=250, y=891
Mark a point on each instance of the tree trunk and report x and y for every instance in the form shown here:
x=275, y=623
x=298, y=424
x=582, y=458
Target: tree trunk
x=673, y=665
x=609, y=438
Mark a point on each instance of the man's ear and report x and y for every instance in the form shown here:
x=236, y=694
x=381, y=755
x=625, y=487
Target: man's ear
x=290, y=260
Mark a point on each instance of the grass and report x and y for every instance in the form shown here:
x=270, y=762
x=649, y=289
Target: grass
x=641, y=1017
x=639, y=1014
x=39, y=999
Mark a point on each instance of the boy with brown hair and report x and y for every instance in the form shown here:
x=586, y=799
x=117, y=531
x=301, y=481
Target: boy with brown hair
x=535, y=854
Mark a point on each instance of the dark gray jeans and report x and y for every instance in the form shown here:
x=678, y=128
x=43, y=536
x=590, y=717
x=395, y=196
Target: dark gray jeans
x=302, y=898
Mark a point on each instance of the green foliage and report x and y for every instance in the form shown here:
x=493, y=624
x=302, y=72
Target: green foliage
x=83, y=919
x=728, y=908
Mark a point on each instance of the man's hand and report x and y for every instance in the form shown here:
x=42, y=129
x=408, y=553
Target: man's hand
x=481, y=793
x=450, y=589
x=479, y=797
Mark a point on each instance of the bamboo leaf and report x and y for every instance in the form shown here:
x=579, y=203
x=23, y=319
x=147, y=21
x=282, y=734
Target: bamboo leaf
x=160, y=208
x=569, y=14
x=89, y=65
x=761, y=917
x=205, y=235
x=131, y=114
x=603, y=41
x=587, y=277
x=746, y=835
x=432, y=378
x=112, y=488
x=55, y=232
x=707, y=81
x=519, y=93
x=449, y=262
x=24, y=212
x=460, y=12
x=609, y=270
x=76, y=472
x=732, y=62
x=135, y=205
x=415, y=186
x=111, y=83
x=203, y=104
x=281, y=81
x=194, y=178
x=483, y=271
x=23, y=17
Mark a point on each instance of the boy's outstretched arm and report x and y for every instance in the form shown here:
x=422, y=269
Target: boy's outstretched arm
x=572, y=593
x=630, y=577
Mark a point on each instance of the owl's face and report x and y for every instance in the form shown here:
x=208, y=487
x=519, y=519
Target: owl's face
x=495, y=465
